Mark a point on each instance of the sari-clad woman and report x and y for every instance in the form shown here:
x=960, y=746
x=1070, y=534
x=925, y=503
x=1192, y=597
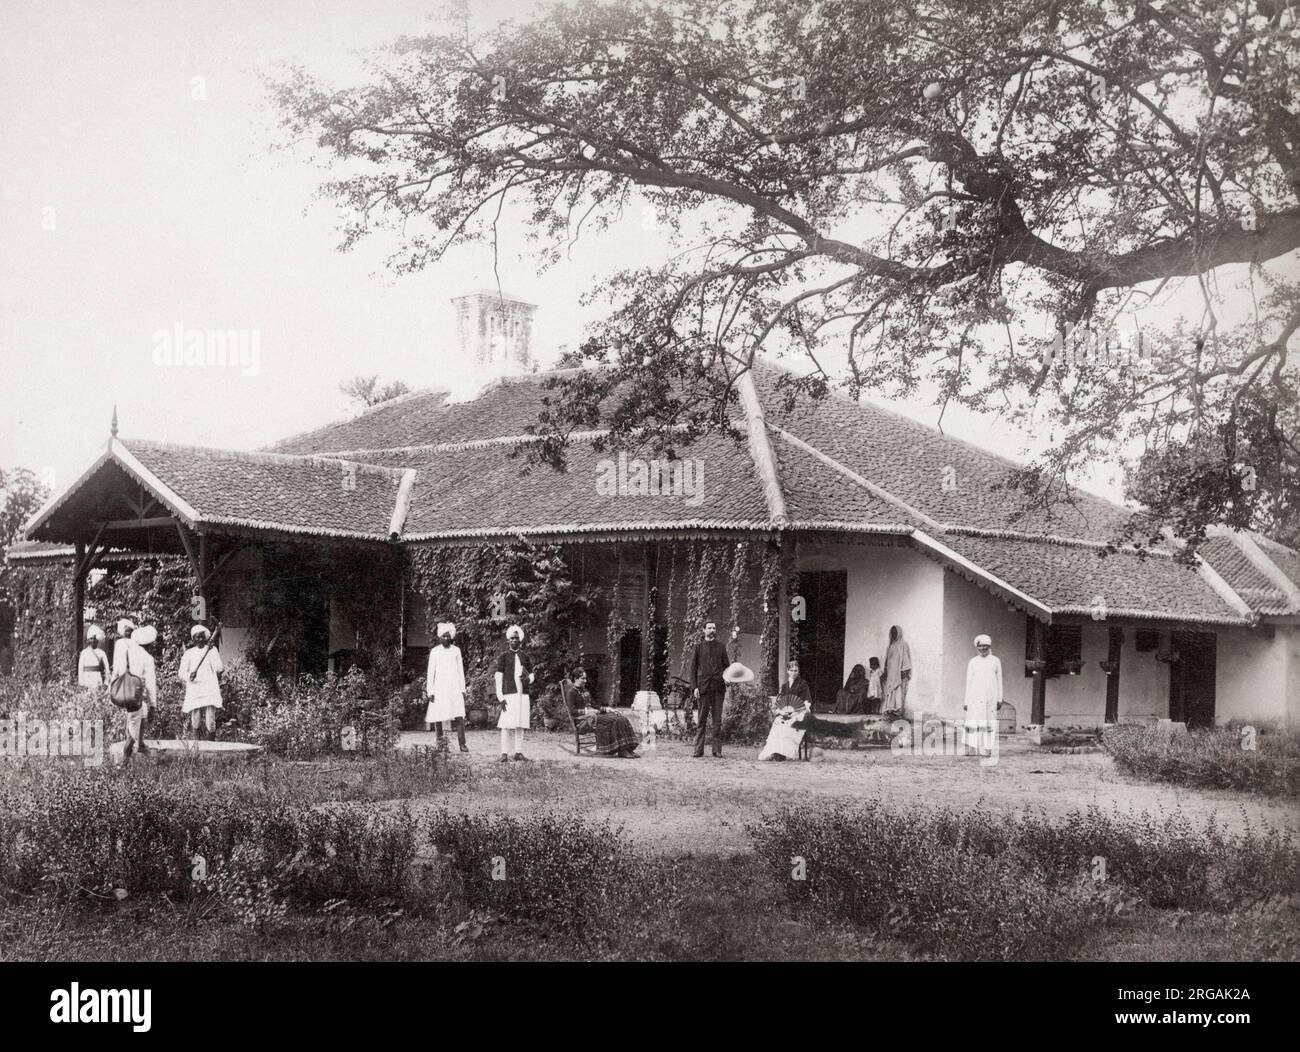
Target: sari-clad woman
x=852, y=698
x=615, y=735
x=898, y=670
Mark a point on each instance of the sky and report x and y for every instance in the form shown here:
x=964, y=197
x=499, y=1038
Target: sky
x=142, y=192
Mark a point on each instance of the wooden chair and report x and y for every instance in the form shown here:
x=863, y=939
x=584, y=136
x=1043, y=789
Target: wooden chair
x=580, y=738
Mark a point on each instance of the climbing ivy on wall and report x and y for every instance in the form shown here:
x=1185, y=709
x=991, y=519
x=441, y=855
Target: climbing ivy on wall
x=486, y=588
x=154, y=592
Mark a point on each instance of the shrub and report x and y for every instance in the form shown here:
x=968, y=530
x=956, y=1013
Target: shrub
x=95, y=834
x=1211, y=759
x=889, y=870
x=311, y=716
x=747, y=716
x=975, y=884
x=555, y=869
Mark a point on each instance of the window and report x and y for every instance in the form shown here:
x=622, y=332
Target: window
x=1062, y=649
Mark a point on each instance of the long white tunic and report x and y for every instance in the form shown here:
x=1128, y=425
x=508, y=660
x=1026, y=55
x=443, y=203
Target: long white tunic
x=205, y=691
x=128, y=654
x=445, y=684
x=516, y=714
x=983, y=688
x=92, y=667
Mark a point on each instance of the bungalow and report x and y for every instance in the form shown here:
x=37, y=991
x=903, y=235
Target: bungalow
x=824, y=525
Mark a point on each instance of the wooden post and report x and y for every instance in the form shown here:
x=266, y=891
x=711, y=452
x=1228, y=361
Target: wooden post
x=78, y=605
x=649, y=568
x=1114, y=648
x=1038, y=651
x=783, y=614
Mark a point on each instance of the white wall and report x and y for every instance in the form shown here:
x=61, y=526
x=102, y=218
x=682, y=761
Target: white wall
x=888, y=586
x=1258, y=674
x=969, y=610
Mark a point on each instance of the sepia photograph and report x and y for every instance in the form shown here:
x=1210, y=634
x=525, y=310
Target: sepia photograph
x=635, y=482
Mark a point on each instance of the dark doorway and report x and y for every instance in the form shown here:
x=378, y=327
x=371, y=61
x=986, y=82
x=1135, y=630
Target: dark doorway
x=629, y=667
x=819, y=638
x=1191, y=679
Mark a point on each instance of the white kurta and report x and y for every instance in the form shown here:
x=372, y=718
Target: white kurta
x=92, y=667
x=783, y=739
x=983, y=693
x=445, y=684
x=515, y=715
x=205, y=690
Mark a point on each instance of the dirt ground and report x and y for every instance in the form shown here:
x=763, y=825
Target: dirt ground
x=677, y=804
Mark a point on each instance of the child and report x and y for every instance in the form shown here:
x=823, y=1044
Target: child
x=873, y=685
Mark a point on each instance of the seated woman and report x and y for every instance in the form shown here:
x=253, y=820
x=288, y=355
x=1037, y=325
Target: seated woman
x=794, y=718
x=853, y=697
x=614, y=733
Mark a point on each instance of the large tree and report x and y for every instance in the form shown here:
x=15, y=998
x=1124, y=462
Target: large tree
x=929, y=195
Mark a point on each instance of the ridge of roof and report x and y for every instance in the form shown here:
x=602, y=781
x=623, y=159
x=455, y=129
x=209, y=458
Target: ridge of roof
x=839, y=396
x=259, y=456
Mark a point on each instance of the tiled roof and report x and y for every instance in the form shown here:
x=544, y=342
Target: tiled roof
x=484, y=489
x=942, y=477
x=840, y=465
x=1243, y=577
x=1081, y=579
x=1285, y=559
x=300, y=494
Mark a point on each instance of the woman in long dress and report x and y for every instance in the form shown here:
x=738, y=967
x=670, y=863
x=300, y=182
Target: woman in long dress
x=898, y=671
x=983, y=695
x=615, y=735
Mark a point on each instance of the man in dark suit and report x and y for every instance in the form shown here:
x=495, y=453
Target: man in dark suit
x=707, y=664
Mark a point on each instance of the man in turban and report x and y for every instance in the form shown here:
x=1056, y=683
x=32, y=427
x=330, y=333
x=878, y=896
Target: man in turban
x=514, y=674
x=200, y=670
x=445, y=686
x=92, y=664
x=130, y=655
x=983, y=696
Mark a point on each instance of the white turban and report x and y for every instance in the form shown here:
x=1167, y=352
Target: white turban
x=94, y=632
x=515, y=631
x=199, y=630
x=124, y=626
x=144, y=636
x=446, y=628
x=983, y=640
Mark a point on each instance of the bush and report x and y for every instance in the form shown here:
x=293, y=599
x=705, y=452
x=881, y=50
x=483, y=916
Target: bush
x=979, y=885
x=104, y=834
x=747, y=715
x=559, y=870
x=890, y=871
x=311, y=716
x=1211, y=759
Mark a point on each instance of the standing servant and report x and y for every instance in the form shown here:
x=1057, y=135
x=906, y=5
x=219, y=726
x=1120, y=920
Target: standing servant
x=445, y=686
x=200, y=671
x=92, y=663
x=708, y=661
x=514, y=674
x=983, y=695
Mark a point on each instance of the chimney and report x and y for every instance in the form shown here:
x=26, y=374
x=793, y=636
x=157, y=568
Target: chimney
x=495, y=331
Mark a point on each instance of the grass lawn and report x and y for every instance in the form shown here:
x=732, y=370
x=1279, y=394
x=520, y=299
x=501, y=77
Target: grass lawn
x=706, y=896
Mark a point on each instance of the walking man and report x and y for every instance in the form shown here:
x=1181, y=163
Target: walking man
x=201, y=676
x=708, y=661
x=514, y=674
x=129, y=655
x=445, y=686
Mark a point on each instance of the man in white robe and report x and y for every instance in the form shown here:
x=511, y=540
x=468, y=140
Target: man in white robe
x=129, y=655
x=445, y=686
x=983, y=696
x=201, y=676
x=92, y=663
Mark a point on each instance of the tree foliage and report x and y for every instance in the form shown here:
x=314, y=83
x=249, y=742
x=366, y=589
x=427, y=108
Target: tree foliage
x=924, y=195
